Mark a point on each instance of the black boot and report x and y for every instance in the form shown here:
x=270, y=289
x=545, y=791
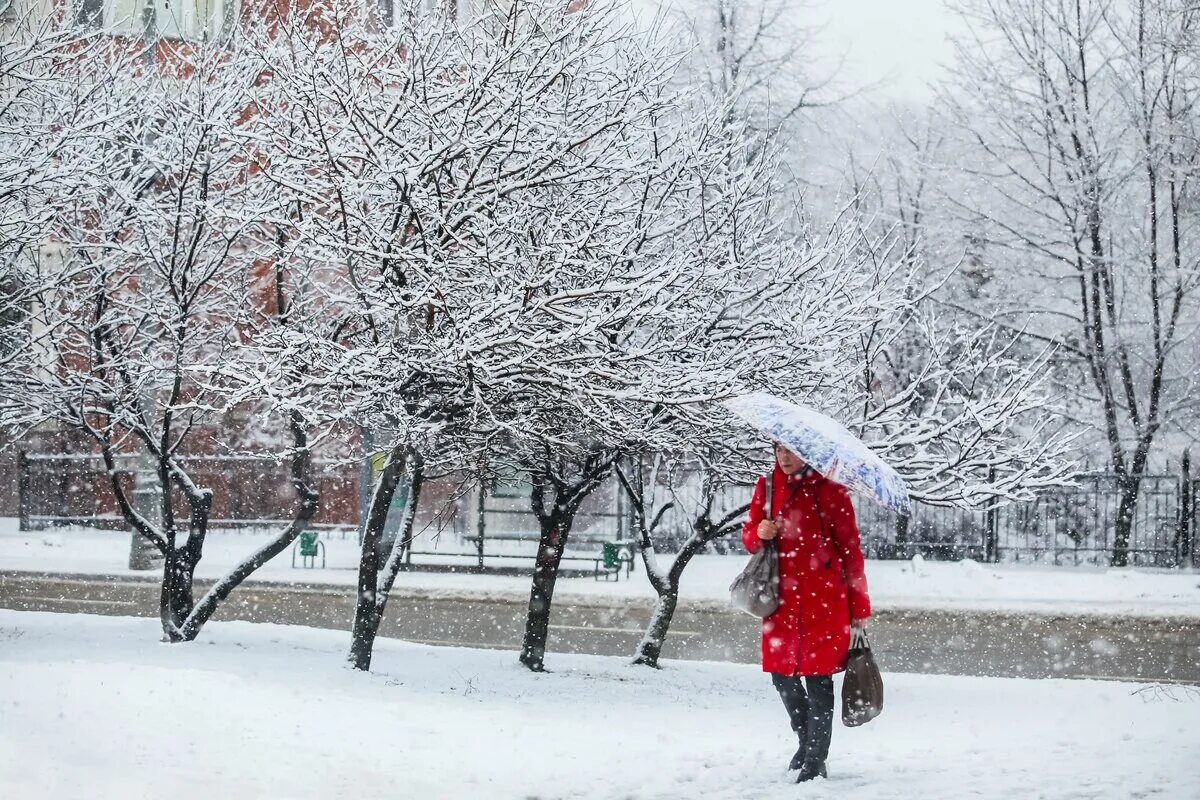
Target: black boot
x=798, y=758
x=818, y=727
x=795, y=700
x=810, y=770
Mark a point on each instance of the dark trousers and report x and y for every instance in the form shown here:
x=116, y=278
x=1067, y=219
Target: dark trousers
x=810, y=712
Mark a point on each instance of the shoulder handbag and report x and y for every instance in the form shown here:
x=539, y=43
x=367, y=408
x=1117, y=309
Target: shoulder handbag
x=756, y=589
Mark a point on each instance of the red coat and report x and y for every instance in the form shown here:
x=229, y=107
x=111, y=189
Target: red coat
x=823, y=582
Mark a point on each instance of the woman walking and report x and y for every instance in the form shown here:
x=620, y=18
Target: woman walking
x=823, y=594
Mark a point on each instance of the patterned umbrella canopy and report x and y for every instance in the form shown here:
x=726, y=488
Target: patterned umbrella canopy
x=825, y=445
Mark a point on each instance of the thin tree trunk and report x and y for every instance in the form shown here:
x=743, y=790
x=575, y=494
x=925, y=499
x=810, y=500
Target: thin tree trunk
x=403, y=540
x=666, y=585
x=366, y=616
x=551, y=544
x=650, y=648
x=224, y=587
x=555, y=524
x=309, y=502
x=1130, y=488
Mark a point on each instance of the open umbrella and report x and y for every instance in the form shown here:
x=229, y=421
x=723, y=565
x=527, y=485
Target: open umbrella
x=825, y=445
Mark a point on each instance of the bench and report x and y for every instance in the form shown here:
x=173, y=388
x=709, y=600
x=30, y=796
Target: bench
x=607, y=563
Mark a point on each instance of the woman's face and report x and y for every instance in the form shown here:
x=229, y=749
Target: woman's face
x=789, y=462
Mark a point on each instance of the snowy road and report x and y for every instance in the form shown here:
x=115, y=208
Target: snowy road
x=919, y=641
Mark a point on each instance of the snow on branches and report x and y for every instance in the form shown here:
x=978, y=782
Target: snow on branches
x=136, y=300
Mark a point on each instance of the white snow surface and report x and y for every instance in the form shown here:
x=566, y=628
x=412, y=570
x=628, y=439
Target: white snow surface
x=98, y=707
x=915, y=584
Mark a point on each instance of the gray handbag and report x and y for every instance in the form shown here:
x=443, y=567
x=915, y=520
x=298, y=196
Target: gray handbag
x=756, y=589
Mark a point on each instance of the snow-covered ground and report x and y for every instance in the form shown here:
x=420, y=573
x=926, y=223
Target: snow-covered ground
x=97, y=707
x=893, y=584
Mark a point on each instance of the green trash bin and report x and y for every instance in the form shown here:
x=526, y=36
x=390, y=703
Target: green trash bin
x=614, y=555
x=308, y=544
x=309, y=547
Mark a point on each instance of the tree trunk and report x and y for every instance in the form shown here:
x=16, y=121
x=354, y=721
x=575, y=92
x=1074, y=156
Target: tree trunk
x=366, y=615
x=667, y=586
x=551, y=544
x=366, y=619
x=222, y=588
x=1129, y=487
x=362, y=646
x=201, y=509
x=555, y=523
x=650, y=648
x=175, y=600
x=403, y=542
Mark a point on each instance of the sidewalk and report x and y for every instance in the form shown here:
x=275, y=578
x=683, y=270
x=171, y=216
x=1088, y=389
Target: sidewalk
x=894, y=585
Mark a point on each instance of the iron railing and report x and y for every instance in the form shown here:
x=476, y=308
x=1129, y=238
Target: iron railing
x=1074, y=525
x=57, y=490
x=1065, y=526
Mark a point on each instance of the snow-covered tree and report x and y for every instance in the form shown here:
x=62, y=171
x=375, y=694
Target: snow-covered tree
x=1082, y=126
x=147, y=284
x=760, y=57
x=961, y=407
x=481, y=195
x=968, y=427
x=33, y=124
x=691, y=492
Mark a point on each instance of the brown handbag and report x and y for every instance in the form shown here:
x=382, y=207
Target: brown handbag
x=862, y=687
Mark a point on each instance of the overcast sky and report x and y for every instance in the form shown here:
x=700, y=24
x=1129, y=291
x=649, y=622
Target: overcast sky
x=902, y=42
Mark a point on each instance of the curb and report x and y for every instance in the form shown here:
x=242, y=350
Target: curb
x=565, y=598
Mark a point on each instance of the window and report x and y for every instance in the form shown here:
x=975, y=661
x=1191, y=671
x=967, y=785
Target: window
x=88, y=13
x=460, y=10
x=192, y=19
x=125, y=16
x=176, y=19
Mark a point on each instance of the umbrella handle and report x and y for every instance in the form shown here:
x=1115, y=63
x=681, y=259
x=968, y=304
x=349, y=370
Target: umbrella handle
x=768, y=511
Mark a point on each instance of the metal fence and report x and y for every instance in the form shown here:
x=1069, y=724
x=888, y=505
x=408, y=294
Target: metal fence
x=500, y=524
x=1065, y=526
x=57, y=490
x=1075, y=525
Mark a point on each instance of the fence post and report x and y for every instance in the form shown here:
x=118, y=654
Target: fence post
x=481, y=521
x=901, y=536
x=1185, y=534
x=23, y=499
x=991, y=521
x=991, y=550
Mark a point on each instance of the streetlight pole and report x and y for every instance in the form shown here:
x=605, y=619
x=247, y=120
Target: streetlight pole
x=143, y=555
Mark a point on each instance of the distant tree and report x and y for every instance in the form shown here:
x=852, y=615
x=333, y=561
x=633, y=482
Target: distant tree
x=759, y=56
x=1082, y=127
